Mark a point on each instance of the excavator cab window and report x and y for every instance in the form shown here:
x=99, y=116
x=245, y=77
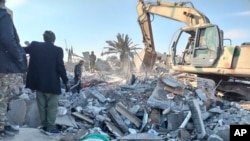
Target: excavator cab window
x=184, y=46
x=207, y=47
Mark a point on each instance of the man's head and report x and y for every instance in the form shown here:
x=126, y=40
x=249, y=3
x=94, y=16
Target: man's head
x=2, y=1
x=81, y=62
x=49, y=36
x=92, y=52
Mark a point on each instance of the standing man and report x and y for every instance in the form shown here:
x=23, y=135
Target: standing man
x=78, y=75
x=92, y=59
x=46, y=67
x=13, y=64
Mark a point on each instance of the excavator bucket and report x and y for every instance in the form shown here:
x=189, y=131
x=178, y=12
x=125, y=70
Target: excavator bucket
x=145, y=59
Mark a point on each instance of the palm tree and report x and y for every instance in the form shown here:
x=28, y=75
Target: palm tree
x=123, y=46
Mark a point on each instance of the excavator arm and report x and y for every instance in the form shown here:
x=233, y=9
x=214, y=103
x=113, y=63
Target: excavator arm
x=181, y=11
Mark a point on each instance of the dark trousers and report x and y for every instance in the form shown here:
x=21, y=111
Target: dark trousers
x=79, y=86
x=47, y=106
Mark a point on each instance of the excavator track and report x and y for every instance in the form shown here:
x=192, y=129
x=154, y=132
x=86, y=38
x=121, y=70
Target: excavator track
x=234, y=91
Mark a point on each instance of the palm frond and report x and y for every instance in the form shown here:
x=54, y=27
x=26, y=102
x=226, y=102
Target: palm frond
x=123, y=45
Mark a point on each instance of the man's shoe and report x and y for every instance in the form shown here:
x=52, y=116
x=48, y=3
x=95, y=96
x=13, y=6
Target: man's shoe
x=42, y=129
x=5, y=134
x=52, y=132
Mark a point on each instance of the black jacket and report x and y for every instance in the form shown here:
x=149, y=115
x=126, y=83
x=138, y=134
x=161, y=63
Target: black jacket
x=12, y=55
x=46, y=67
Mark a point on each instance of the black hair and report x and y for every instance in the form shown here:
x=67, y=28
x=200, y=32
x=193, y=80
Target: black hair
x=49, y=36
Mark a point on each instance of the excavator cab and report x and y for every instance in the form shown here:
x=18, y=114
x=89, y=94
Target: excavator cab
x=197, y=46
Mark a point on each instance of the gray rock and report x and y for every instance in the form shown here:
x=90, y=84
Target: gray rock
x=201, y=95
x=17, y=112
x=205, y=115
x=245, y=120
x=175, y=120
x=216, y=110
x=184, y=135
x=223, y=132
x=214, y=137
x=32, y=118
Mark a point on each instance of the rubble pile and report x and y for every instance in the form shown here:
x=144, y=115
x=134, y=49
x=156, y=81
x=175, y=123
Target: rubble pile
x=170, y=107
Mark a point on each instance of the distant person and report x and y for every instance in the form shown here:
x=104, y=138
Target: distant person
x=78, y=75
x=13, y=64
x=92, y=59
x=46, y=67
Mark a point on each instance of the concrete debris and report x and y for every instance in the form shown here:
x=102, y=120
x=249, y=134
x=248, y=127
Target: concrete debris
x=102, y=65
x=141, y=136
x=184, y=135
x=66, y=120
x=17, y=112
x=172, y=82
x=61, y=111
x=159, y=99
x=185, y=121
x=154, y=117
x=147, y=106
x=122, y=110
x=214, y=137
x=32, y=118
x=97, y=94
x=83, y=117
x=118, y=120
x=144, y=120
x=112, y=128
x=196, y=116
x=175, y=120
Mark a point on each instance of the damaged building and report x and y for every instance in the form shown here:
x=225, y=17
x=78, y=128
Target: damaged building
x=157, y=106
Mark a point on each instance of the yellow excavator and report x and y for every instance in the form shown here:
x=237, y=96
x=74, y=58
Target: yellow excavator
x=198, y=47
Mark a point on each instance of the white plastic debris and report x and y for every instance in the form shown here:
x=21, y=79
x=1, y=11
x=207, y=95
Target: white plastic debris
x=61, y=111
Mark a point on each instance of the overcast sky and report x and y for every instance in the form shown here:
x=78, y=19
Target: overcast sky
x=87, y=24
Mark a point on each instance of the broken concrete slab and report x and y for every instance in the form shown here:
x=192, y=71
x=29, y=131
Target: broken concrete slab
x=112, y=128
x=177, y=90
x=159, y=99
x=172, y=82
x=119, y=107
x=118, y=120
x=32, y=117
x=67, y=120
x=134, y=109
x=83, y=117
x=197, y=119
x=201, y=95
x=175, y=120
x=216, y=110
x=223, y=132
x=17, y=112
x=97, y=94
x=214, y=137
x=206, y=85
